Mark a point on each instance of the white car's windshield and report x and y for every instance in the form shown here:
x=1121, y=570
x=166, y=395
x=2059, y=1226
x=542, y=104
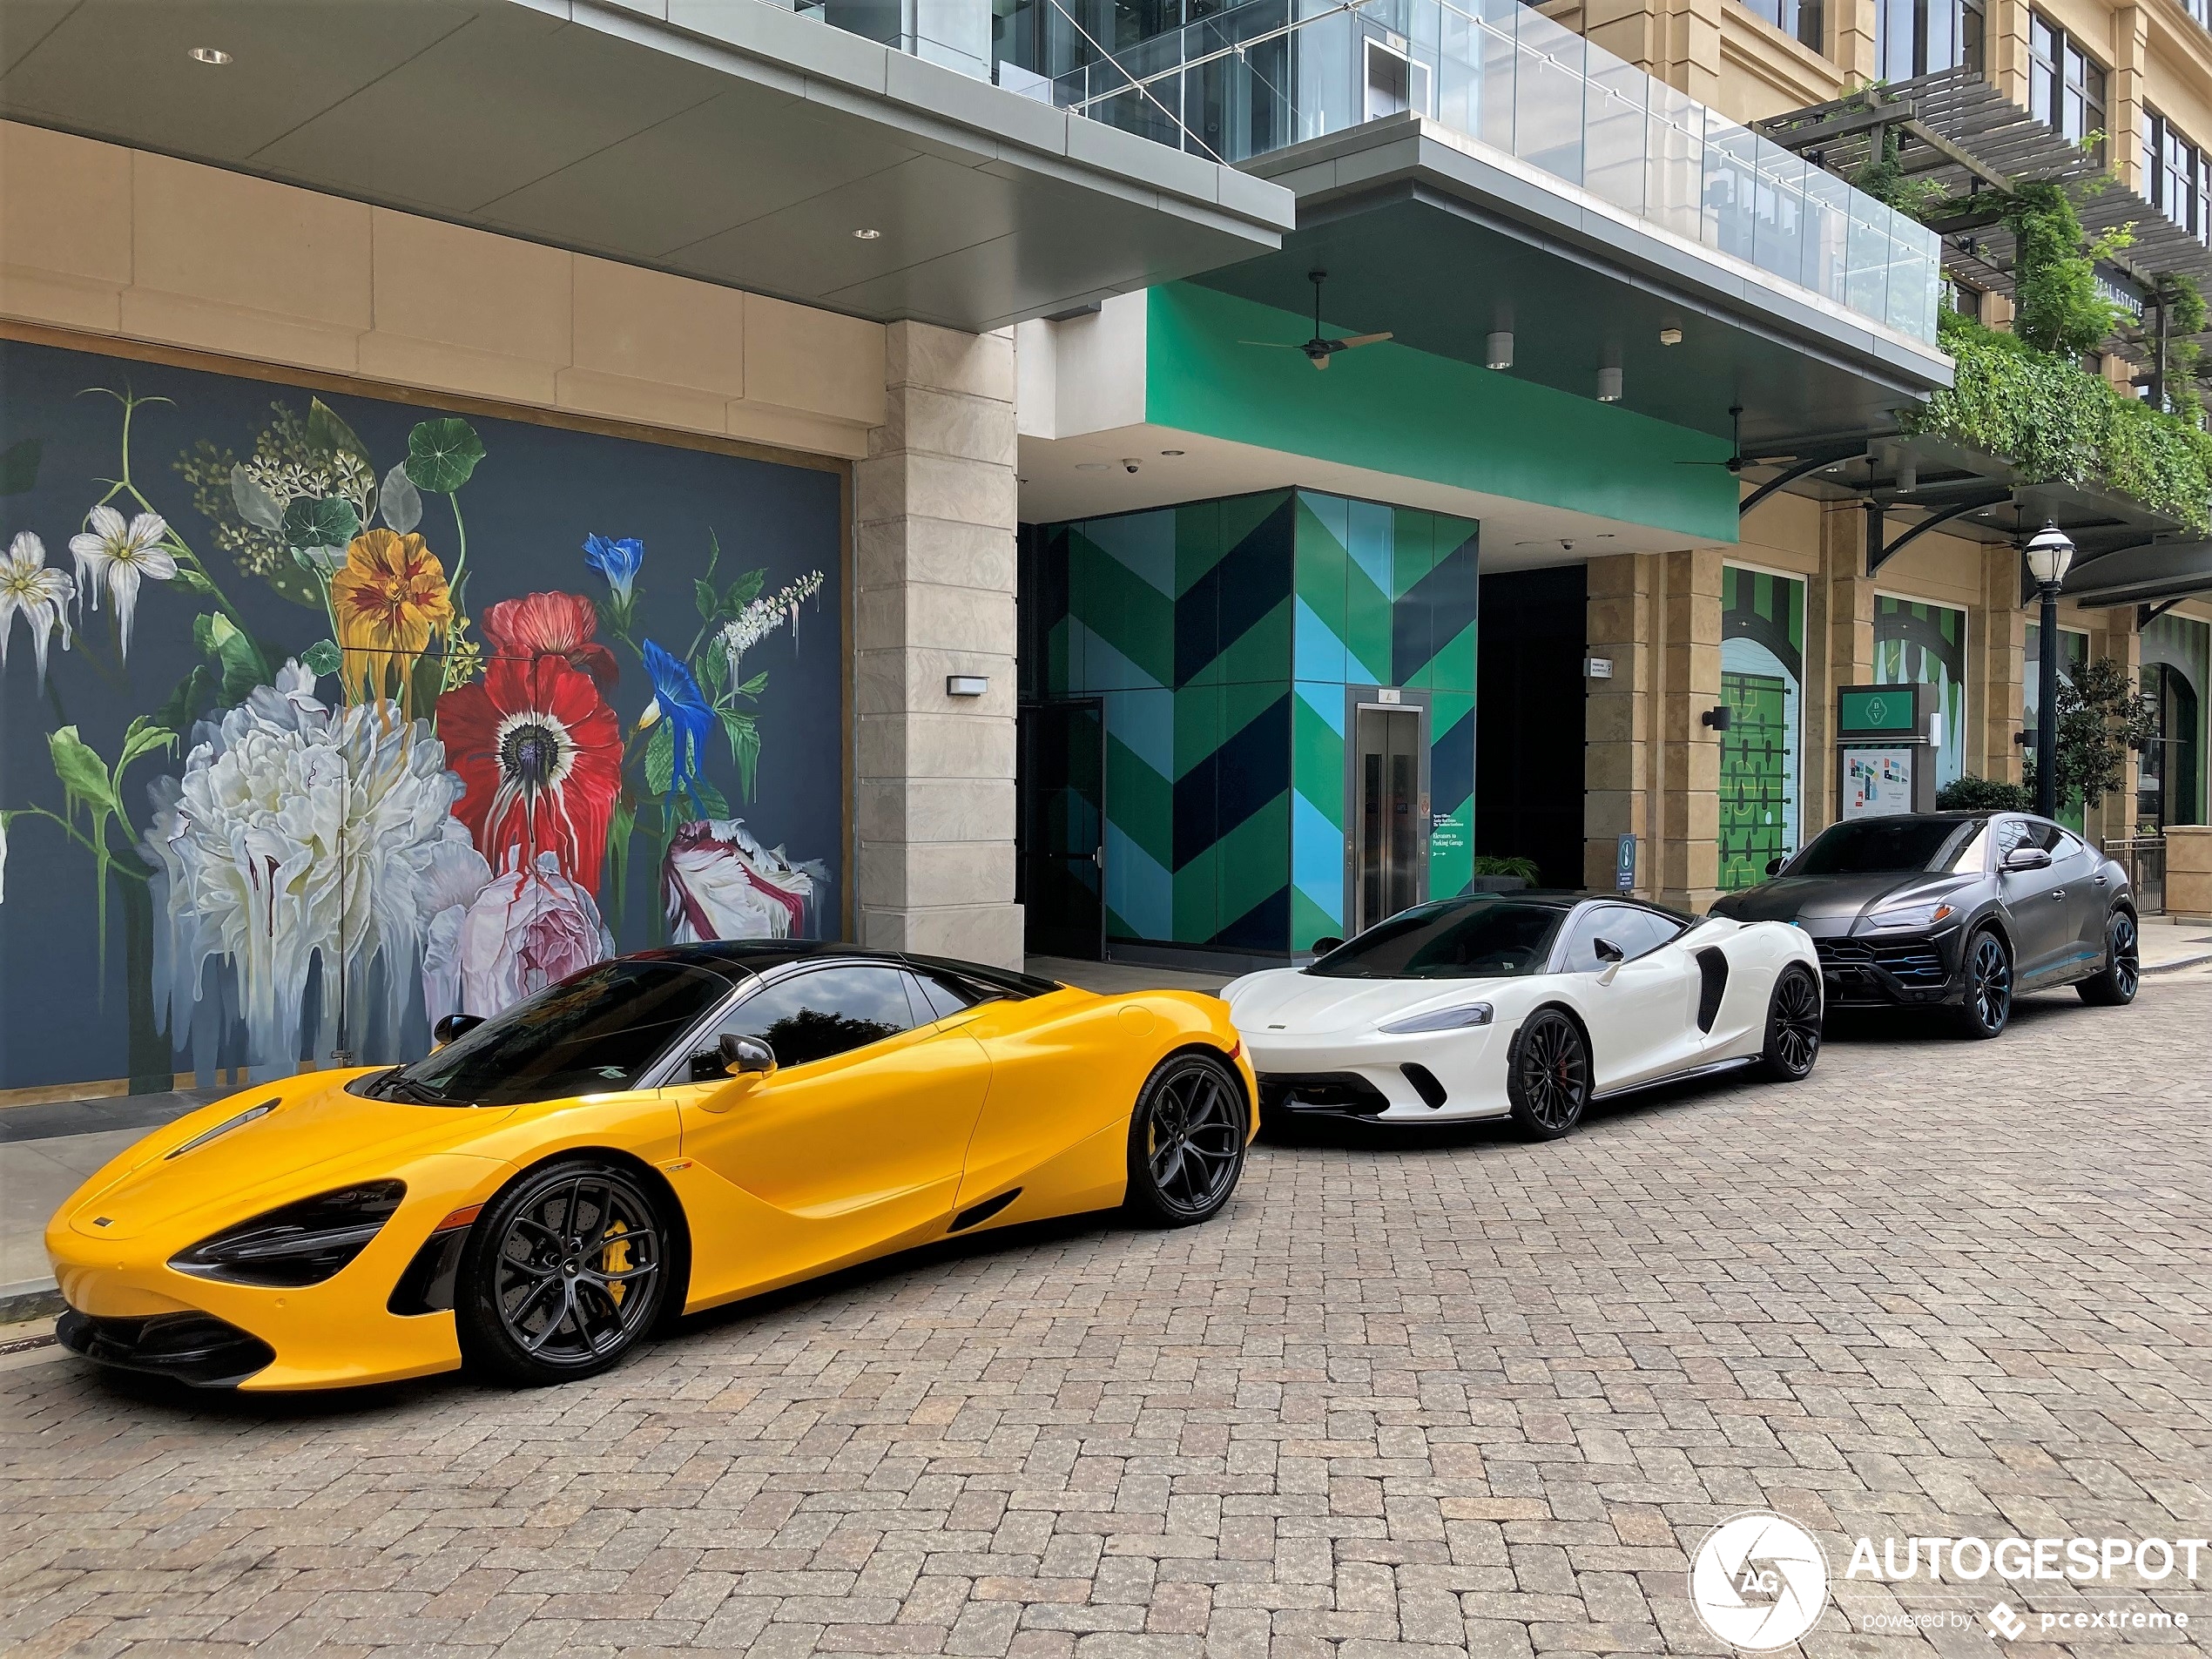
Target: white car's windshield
x=1485, y=938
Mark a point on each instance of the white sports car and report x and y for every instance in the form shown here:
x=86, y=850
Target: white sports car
x=1528, y=1006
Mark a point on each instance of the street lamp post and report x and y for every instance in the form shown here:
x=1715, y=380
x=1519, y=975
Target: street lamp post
x=2050, y=553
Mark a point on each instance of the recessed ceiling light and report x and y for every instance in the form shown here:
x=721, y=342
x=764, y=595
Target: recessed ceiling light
x=210, y=54
x=1608, y=386
x=866, y=236
x=1095, y=466
x=1170, y=452
x=1671, y=336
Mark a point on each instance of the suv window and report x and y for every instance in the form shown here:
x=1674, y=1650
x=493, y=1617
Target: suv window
x=2015, y=832
x=828, y=1011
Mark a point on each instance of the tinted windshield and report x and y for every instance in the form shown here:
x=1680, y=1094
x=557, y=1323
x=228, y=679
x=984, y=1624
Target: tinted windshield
x=1480, y=939
x=1880, y=847
x=594, y=1033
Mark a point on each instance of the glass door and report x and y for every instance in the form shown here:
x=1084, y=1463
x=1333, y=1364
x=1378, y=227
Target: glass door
x=1390, y=810
x=1063, y=828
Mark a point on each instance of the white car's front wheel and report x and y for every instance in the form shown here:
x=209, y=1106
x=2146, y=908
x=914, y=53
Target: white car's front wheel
x=1547, y=1075
x=1792, y=1027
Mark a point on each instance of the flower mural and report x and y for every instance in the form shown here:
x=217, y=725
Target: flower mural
x=324, y=844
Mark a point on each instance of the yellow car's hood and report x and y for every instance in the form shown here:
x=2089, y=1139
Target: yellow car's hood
x=317, y=1136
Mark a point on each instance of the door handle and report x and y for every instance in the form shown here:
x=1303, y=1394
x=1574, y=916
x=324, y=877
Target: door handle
x=1098, y=856
x=2058, y=893
x=2099, y=880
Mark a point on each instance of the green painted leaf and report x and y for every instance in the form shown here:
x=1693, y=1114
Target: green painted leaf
x=321, y=657
x=441, y=454
x=703, y=597
x=327, y=434
x=734, y=727
x=709, y=799
x=754, y=687
x=19, y=466
x=255, y=505
x=326, y=521
x=194, y=696
x=660, y=760
x=83, y=774
x=398, y=503
x=748, y=757
x=237, y=659
x=713, y=670
x=145, y=736
x=744, y=592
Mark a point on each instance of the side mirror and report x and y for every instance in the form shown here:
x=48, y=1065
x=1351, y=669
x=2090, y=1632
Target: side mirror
x=1774, y=867
x=455, y=1025
x=1607, y=951
x=733, y=1057
x=2026, y=857
x=1328, y=942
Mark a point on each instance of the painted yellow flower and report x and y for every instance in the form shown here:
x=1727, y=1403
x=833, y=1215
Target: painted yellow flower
x=387, y=600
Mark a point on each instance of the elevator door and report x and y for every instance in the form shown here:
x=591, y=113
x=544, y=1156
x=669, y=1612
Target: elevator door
x=1063, y=828
x=1389, y=811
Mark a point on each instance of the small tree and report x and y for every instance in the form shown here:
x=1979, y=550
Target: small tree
x=2101, y=715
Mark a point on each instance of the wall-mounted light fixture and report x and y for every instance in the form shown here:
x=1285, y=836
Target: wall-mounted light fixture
x=214, y=55
x=1715, y=718
x=967, y=684
x=868, y=234
x=1497, y=350
x=1671, y=336
x=1608, y=386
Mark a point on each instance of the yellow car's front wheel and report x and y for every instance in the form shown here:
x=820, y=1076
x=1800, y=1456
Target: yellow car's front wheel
x=564, y=1272
x=1187, y=1138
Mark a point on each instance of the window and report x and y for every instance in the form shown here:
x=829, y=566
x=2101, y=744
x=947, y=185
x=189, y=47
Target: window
x=829, y=1011
x=1802, y=20
x=594, y=1033
x=1964, y=301
x=1638, y=932
x=2177, y=176
x=2066, y=88
x=1460, y=939
x=946, y=996
x=1889, y=846
x=1920, y=36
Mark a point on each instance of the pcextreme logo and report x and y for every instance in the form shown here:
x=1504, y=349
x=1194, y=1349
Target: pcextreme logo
x=1759, y=1580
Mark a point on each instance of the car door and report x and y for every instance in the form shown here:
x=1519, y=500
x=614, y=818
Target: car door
x=2043, y=923
x=1639, y=1019
x=2089, y=893
x=852, y=1143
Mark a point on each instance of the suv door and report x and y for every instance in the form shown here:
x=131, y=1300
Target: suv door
x=2043, y=923
x=854, y=1141
x=2090, y=894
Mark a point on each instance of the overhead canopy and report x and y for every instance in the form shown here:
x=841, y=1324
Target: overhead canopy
x=742, y=144
x=2143, y=574
x=1430, y=235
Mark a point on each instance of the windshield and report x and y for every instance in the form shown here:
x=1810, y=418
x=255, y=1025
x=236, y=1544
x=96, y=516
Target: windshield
x=1463, y=939
x=1882, y=847
x=594, y=1033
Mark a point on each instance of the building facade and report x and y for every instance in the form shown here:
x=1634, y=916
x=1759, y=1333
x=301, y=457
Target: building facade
x=491, y=485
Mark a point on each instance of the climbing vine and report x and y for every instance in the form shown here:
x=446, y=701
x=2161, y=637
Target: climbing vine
x=2056, y=304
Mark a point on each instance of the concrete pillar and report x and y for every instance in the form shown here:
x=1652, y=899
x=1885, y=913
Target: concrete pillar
x=1996, y=670
x=2127, y=119
x=1689, y=811
x=1631, y=30
x=1840, y=624
x=1678, y=40
x=933, y=530
x=2112, y=633
x=1617, y=717
x=2005, y=47
x=1851, y=26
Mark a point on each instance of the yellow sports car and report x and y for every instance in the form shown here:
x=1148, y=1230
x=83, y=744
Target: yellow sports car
x=651, y=1136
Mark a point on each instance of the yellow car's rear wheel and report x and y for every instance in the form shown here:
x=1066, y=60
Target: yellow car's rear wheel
x=564, y=1272
x=1186, y=1140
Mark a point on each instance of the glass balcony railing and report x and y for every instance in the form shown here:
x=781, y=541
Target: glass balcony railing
x=1270, y=73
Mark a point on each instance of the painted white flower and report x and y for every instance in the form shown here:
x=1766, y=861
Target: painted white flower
x=42, y=595
x=719, y=882
x=763, y=616
x=3, y=859
x=299, y=838
x=528, y=928
x=458, y=873
x=118, y=556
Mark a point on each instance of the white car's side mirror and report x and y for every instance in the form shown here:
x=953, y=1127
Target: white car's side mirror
x=1611, y=955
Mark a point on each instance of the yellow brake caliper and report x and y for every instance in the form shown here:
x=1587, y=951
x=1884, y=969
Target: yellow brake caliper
x=615, y=1258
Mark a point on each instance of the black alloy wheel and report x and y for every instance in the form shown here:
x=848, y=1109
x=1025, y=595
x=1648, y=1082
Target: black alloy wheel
x=1987, y=1008
x=562, y=1273
x=2116, y=985
x=1186, y=1141
x=1547, y=1076
x=1792, y=1027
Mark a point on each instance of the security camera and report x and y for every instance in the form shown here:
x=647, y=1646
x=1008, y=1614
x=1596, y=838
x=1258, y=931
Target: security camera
x=1129, y=465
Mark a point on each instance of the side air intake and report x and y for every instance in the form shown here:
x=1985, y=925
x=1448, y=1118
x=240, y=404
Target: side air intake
x=1712, y=973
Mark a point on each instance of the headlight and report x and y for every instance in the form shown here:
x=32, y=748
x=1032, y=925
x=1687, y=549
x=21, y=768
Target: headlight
x=1440, y=1019
x=301, y=1244
x=1911, y=915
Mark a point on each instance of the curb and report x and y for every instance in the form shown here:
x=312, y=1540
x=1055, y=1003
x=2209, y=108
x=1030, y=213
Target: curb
x=30, y=1299
x=2196, y=960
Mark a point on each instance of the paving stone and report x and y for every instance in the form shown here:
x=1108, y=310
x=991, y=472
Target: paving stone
x=1437, y=1393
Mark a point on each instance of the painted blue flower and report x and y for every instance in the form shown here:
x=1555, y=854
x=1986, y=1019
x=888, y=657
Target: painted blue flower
x=676, y=699
x=617, y=561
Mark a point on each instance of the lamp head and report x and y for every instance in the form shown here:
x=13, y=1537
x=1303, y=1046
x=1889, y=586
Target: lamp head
x=2050, y=554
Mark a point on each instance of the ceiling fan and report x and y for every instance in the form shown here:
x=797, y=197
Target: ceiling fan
x=1319, y=349
x=1737, y=459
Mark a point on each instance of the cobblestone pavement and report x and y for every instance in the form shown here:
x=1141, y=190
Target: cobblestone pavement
x=1451, y=1394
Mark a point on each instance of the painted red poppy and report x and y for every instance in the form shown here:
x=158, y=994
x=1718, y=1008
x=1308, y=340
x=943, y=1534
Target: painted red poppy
x=540, y=754
x=551, y=624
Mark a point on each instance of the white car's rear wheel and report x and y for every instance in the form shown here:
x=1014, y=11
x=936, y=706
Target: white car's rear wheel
x=1547, y=1075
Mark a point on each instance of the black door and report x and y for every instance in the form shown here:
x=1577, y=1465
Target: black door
x=1062, y=851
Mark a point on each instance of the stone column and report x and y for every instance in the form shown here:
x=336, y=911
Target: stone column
x=1617, y=718
x=2127, y=119
x=2112, y=633
x=1840, y=607
x=1851, y=39
x=933, y=532
x=1690, y=808
x=1997, y=635
x=1678, y=40
x=2005, y=48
